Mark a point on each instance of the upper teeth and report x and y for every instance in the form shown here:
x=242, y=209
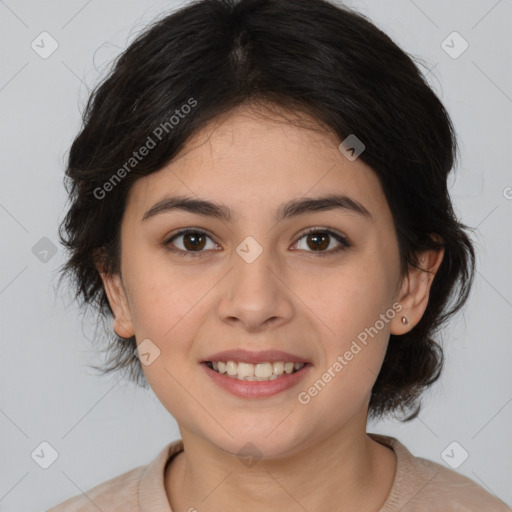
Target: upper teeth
x=264, y=371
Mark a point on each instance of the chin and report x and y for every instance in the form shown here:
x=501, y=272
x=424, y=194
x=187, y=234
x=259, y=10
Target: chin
x=259, y=440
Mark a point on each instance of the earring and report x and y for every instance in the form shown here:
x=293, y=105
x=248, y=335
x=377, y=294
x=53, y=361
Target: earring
x=404, y=320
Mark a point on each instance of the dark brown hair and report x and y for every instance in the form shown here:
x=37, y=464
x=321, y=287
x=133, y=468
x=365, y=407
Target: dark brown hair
x=305, y=56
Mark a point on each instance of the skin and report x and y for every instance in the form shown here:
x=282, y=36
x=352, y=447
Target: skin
x=287, y=299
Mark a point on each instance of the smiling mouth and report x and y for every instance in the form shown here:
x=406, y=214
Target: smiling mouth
x=264, y=371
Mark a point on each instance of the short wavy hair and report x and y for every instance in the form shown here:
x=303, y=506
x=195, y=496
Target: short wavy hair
x=305, y=56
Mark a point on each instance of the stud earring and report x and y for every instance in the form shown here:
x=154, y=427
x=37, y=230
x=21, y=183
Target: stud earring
x=404, y=320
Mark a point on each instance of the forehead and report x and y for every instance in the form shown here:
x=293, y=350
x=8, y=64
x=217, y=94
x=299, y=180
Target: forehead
x=254, y=163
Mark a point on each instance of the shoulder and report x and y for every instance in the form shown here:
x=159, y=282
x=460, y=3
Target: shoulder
x=117, y=494
x=141, y=487
x=421, y=485
x=454, y=491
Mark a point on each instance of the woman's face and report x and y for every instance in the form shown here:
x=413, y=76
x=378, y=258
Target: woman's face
x=257, y=282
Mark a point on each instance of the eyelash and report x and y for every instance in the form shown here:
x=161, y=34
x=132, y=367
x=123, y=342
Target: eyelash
x=194, y=254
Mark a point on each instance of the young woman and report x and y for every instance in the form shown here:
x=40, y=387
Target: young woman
x=259, y=201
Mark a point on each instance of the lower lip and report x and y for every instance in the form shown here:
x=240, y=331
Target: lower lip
x=255, y=388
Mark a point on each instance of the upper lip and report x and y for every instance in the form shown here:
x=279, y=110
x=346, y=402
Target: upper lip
x=245, y=356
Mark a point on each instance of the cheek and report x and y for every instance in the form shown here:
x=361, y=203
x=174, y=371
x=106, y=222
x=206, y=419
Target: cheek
x=161, y=299
x=349, y=299
x=355, y=314
x=169, y=308
x=165, y=309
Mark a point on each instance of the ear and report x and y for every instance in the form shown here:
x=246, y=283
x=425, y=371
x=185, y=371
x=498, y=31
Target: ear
x=415, y=290
x=117, y=298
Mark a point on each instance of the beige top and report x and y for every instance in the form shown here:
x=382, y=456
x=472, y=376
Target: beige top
x=419, y=485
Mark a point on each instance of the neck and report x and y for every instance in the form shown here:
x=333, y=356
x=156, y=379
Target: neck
x=348, y=471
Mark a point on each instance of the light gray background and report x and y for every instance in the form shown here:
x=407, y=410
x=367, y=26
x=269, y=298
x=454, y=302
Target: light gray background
x=102, y=427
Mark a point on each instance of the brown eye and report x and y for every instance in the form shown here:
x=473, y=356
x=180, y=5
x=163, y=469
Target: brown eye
x=193, y=241
x=318, y=240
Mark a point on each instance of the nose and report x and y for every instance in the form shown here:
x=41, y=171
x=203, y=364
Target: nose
x=255, y=295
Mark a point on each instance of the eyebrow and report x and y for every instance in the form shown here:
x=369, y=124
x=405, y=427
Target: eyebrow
x=288, y=210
